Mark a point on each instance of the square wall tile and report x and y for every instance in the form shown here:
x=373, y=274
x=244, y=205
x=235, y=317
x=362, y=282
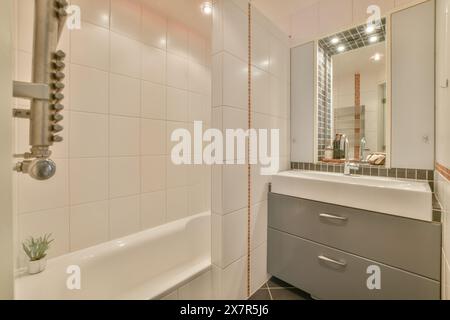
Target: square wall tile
x=235, y=30
x=153, y=102
x=88, y=135
x=89, y=225
x=153, y=209
x=177, y=204
x=126, y=17
x=259, y=268
x=124, y=96
x=197, y=48
x=124, y=136
x=153, y=173
x=234, y=237
x=88, y=180
x=259, y=224
x=153, y=137
x=90, y=46
x=177, y=71
x=124, y=216
x=125, y=56
x=231, y=283
x=88, y=89
x=37, y=224
x=153, y=66
x=42, y=195
x=124, y=177
x=177, y=175
x=177, y=105
x=235, y=82
x=95, y=12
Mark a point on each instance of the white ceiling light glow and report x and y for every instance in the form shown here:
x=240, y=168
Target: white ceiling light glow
x=370, y=29
x=341, y=48
x=373, y=39
x=376, y=57
x=207, y=8
x=335, y=40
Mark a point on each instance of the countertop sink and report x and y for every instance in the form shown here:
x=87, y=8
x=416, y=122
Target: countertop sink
x=408, y=199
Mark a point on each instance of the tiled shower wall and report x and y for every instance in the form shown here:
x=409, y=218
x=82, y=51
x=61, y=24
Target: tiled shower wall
x=230, y=111
x=132, y=77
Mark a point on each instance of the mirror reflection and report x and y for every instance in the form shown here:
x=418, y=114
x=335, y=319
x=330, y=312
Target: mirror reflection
x=352, y=96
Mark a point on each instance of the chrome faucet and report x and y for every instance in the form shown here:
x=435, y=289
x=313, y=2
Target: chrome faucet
x=349, y=165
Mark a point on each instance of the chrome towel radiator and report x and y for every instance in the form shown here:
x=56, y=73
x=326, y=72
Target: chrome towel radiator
x=45, y=91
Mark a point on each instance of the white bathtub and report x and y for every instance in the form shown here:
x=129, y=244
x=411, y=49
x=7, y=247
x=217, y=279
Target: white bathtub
x=143, y=266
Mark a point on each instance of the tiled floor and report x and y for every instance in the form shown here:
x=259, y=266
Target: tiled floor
x=276, y=289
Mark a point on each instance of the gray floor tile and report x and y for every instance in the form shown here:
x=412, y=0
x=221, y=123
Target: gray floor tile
x=289, y=294
x=261, y=295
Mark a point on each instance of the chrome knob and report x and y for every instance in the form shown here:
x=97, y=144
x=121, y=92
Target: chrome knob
x=58, y=117
x=58, y=85
x=57, y=128
x=60, y=55
x=40, y=169
x=58, y=96
x=57, y=139
x=59, y=65
x=59, y=75
x=58, y=107
x=62, y=3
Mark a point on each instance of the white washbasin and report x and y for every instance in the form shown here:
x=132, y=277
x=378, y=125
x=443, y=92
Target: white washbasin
x=409, y=199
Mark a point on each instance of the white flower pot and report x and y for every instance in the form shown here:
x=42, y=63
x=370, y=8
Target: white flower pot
x=35, y=267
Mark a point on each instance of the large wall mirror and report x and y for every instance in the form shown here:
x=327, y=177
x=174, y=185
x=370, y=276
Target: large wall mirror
x=373, y=85
x=352, y=95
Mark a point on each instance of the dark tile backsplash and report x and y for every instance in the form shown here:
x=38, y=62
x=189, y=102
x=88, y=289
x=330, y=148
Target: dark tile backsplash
x=368, y=170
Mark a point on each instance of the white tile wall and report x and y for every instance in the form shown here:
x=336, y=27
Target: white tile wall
x=130, y=70
x=230, y=104
x=324, y=17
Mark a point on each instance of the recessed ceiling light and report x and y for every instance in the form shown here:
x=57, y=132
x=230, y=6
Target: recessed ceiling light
x=335, y=40
x=376, y=57
x=370, y=29
x=373, y=39
x=341, y=49
x=206, y=8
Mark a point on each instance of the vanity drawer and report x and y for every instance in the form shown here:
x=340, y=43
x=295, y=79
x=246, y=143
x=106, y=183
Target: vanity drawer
x=407, y=244
x=328, y=273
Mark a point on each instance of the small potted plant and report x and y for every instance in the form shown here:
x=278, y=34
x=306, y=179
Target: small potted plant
x=36, y=250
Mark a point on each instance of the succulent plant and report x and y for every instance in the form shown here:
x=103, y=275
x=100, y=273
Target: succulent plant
x=36, y=249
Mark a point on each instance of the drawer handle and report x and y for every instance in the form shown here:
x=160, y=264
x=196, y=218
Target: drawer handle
x=332, y=217
x=328, y=260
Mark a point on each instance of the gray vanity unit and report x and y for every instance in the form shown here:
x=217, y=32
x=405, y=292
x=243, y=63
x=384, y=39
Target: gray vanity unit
x=331, y=250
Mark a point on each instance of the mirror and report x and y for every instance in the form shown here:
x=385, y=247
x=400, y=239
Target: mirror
x=352, y=95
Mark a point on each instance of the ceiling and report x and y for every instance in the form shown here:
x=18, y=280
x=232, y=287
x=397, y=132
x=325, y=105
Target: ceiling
x=187, y=12
x=357, y=61
x=280, y=11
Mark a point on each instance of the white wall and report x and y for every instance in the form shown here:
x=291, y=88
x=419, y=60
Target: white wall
x=443, y=133
x=6, y=210
x=133, y=76
x=230, y=110
x=325, y=17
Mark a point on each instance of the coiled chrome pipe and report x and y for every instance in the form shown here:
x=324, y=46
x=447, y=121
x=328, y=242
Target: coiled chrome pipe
x=45, y=91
